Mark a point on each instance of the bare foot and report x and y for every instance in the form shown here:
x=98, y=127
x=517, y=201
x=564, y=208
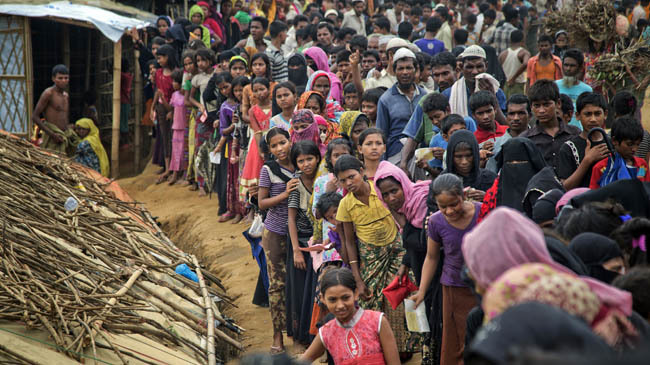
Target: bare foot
x=237, y=219
x=250, y=216
x=194, y=187
x=172, y=179
x=162, y=178
x=202, y=192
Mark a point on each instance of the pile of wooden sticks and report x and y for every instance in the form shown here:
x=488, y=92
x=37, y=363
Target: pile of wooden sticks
x=99, y=267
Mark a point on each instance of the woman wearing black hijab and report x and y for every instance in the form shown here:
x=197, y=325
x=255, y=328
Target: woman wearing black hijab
x=298, y=72
x=548, y=329
x=601, y=254
x=176, y=37
x=463, y=159
x=518, y=161
x=543, y=182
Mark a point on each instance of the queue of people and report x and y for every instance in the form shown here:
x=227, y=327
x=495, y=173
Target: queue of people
x=447, y=151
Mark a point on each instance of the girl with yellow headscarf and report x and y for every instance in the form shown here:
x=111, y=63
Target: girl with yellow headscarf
x=90, y=151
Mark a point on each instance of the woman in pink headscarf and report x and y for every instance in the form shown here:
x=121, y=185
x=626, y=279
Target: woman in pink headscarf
x=490, y=252
x=317, y=60
x=408, y=203
x=305, y=128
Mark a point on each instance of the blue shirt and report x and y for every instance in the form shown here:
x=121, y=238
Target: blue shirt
x=430, y=46
x=393, y=112
x=439, y=141
x=573, y=92
x=414, y=125
x=501, y=98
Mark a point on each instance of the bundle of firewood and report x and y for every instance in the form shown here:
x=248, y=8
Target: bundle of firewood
x=628, y=67
x=98, y=269
x=587, y=19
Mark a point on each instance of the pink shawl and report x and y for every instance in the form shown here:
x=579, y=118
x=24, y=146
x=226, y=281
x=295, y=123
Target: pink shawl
x=506, y=239
x=415, y=194
x=319, y=56
x=320, y=59
x=311, y=133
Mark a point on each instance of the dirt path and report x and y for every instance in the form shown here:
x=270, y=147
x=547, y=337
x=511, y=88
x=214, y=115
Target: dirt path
x=191, y=222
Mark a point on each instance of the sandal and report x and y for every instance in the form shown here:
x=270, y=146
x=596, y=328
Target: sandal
x=226, y=217
x=277, y=350
x=237, y=219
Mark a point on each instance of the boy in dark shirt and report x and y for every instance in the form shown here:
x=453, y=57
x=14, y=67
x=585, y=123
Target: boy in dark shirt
x=576, y=157
x=549, y=133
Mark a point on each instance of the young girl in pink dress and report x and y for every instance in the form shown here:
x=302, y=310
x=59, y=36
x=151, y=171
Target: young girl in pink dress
x=259, y=115
x=356, y=336
x=177, y=162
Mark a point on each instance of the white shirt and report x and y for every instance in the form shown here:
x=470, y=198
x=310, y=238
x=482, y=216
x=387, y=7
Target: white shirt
x=351, y=20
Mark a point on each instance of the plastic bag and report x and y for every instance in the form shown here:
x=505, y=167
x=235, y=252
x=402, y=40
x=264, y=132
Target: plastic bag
x=257, y=228
x=398, y=289
x=185, y=270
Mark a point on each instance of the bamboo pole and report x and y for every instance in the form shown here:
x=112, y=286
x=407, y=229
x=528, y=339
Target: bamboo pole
x=29, y=73
x=138, y=112
x=209, y=315
x=117, y=78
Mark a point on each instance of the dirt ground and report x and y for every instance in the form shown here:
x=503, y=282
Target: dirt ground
x=191, y=222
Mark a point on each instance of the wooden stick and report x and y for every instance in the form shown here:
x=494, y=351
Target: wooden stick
x=110, y=343
x=16, y=355
x=209, y=316
x=117, y=78
x=189, y=318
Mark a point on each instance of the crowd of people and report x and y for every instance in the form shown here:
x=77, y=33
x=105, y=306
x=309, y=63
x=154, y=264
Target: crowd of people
x=446, y=152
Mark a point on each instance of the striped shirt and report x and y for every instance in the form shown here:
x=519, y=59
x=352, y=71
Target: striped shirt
x=299, y=200
x=279, y=66
x=644, y=147
x=277, y=217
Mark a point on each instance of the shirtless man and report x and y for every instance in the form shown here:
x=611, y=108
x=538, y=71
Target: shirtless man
x=54, y=105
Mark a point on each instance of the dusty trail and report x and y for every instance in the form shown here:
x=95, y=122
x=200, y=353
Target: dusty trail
x=191, y=222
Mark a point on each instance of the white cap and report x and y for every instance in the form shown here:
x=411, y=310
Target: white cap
x=473, y=51
x=397, y=43
x=331, y=12
x=403, y=53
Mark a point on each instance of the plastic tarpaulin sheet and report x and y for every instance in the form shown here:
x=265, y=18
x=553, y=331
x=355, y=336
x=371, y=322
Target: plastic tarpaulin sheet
x=110, y=24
